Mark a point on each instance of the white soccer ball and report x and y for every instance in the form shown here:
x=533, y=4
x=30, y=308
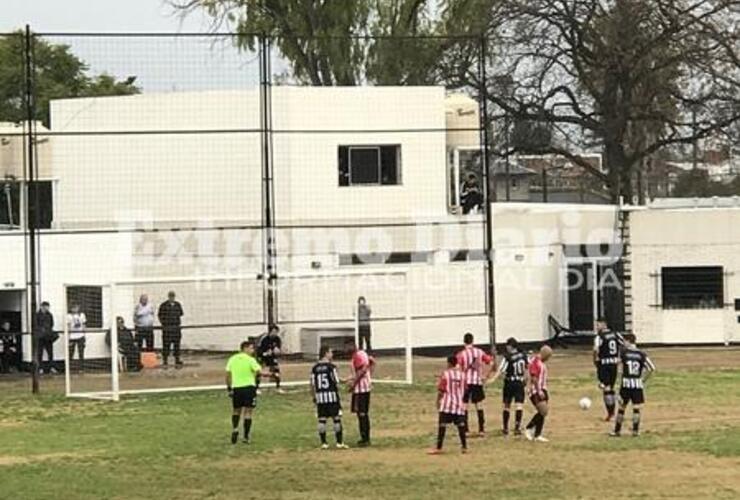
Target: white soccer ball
x=584, y=404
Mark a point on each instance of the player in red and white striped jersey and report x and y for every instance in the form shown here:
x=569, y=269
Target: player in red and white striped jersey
x=450, y=401
x=477, y=367
x=538, y=393
x=361, y=384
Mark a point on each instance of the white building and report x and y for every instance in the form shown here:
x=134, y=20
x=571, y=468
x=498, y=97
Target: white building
x=170, y=185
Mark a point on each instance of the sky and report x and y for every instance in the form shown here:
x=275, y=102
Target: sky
x=161, y=64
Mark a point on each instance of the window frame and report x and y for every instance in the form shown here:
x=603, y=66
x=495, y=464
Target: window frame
x=681, y=300
x=379, y=151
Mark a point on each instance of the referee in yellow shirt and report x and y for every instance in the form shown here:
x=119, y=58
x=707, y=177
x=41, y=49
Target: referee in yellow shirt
x=242, y=373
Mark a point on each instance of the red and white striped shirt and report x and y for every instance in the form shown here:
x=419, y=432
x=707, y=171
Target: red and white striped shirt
x=538, y=375
x=362, y=367
x=471, y=359
x=452, y=391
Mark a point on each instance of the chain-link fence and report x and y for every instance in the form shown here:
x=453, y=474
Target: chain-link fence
x=194, y=157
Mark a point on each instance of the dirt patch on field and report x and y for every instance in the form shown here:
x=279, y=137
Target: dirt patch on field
x=8, y=460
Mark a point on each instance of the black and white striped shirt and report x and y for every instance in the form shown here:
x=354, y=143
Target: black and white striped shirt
x=325, y=383
x=635, y=364
x=514, y=367
x=606, y=345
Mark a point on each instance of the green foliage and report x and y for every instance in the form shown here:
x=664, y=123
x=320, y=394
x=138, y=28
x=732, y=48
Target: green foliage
x=352, y=42
x=57, y=74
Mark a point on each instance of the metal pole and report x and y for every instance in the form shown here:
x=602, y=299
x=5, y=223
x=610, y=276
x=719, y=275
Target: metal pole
x=695, y=153
x=488, y=219
x=32, y=212
x=544, y=183
x=115, y=382
x=269, y=268
x=507, y=165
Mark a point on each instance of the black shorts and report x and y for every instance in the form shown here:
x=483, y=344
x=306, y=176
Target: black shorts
x=634, y=396
x=244, y=397
x=451, y=418
x=361, y=402
x=329, y=410
x=513, y=391
x=537, y=399
x=607, y=375
x=474, y=394
x=272, y=363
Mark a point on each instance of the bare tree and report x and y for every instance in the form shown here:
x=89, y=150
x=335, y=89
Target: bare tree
x=630, y=76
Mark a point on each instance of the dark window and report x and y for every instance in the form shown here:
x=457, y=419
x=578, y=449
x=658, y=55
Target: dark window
x=41, y=204
x=90, y=300
x=467, y=255
x=369, y=165
x=700, y=287
x=356, y=259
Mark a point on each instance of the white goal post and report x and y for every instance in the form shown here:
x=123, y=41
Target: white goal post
x=222, y=310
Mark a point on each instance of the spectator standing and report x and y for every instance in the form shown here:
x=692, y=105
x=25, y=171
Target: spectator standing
x=76, y=324
x=45, y=337
x=363, y=325
x=9, y=359
x=170, y=314
x=144, y=324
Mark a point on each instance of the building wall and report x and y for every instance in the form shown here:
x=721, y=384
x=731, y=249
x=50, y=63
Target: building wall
x=187, y=158
x=530, y=263
x=684, y=237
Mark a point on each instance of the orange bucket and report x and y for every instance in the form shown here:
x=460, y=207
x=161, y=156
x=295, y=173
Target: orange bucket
x=149, y=360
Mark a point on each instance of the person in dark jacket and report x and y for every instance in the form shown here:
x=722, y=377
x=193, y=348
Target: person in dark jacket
x=170, y=317
x=45, y=337
x=127, y=346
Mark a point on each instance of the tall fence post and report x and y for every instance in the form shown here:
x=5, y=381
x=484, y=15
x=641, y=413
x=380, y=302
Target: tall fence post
x=488, y=219
x=32, y=212
x=269, y=267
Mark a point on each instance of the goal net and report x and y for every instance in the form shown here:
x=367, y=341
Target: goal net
x=176, y=334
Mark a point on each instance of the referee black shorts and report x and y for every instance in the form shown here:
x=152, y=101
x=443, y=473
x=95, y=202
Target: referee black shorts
x=244, y=397
x=361, y=402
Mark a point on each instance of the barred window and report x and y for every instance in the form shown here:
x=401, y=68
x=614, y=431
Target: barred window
x=699, y=287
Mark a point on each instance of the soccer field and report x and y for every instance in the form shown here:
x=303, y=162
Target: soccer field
x=177, y=446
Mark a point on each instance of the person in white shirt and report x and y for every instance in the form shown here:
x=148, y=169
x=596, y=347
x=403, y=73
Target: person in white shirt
x=76, y=322
x=144, y=323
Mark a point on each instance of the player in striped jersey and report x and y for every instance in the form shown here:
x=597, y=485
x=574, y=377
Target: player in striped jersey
x=636, y=368
x=606, y=359
x=514, y=370
x=538, y=393
x=472, y=361
x=361, y=384
x=450, y=401
x=325, y=392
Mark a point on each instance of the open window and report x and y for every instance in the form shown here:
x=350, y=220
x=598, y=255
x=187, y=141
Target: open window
x=696, y=287
x=10, y=204
x=39, y=196
x=465, y=175
x=369, y=165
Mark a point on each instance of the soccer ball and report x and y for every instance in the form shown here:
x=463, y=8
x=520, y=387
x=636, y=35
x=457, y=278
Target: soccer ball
x=584, y=403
